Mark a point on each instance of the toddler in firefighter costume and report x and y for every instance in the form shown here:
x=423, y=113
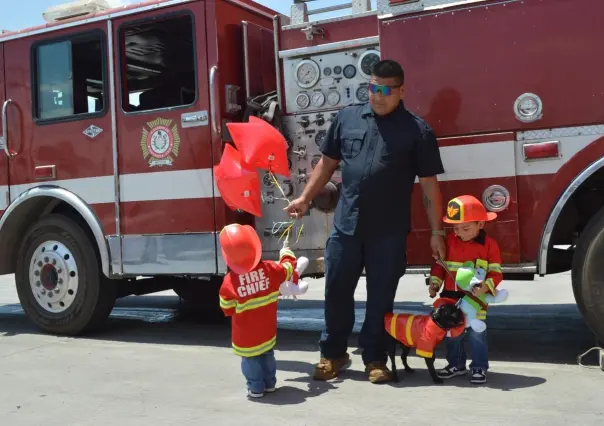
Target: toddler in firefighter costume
x=249, y=294
x=469, y=246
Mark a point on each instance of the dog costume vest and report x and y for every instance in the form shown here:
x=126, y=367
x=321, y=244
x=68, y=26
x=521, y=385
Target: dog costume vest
x=418, y=331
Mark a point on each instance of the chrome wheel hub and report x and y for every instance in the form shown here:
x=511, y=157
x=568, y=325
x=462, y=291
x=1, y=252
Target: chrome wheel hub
x=53, y=276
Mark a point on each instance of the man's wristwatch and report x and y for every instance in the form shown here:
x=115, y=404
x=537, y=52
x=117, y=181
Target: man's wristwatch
x=438, y=232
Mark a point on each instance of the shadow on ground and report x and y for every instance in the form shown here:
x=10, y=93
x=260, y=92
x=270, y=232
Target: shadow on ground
x=549, y=334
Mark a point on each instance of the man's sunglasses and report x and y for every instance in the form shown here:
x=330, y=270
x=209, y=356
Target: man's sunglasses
x=380, y=88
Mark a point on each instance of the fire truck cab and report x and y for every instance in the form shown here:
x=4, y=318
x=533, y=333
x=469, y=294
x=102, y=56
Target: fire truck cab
x=112, y=119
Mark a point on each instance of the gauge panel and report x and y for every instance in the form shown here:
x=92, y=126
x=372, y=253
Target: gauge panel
x=350, y=71
x=306, y=131
x=327, y=80
x=362, y=93
x=307, y=73
x=366, y=62
x=317, y=99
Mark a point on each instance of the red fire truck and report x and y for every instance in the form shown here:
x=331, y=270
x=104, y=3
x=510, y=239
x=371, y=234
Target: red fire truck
x=112, y=119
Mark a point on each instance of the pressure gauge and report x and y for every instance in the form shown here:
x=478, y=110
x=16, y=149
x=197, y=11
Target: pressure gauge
x=302, y=100
x=337, y=70
x=362, y=93
x=366, y=62
x=333, y=98
x=320, y=137
x=307, y=73
x=350, y=71
x=317, y=99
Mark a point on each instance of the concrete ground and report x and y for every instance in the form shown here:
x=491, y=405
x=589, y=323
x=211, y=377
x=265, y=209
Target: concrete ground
x=157, y=364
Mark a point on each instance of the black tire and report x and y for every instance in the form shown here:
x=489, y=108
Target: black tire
x=588, y=274
x=202, y=297
x=92, y=301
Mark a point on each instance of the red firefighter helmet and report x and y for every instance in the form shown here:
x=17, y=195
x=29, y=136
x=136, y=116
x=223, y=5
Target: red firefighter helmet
x=467, y=208
x=241, y=247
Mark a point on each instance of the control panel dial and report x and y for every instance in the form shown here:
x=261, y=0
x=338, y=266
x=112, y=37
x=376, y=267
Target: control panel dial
x=350, y=71
x=307, y=73
x=366, y=62
x=302, y=101
x=333, y=98
x=320, y=137
x=317, y=99
x=362, y=93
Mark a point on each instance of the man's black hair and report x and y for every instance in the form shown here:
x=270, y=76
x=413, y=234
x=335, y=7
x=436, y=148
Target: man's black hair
x=388, y=68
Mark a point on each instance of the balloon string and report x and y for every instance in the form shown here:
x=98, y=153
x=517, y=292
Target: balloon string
x=291, y=223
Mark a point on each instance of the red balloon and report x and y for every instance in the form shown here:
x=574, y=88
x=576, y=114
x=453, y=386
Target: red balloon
x=240, y=246
x=261, y=145
x=239, y=185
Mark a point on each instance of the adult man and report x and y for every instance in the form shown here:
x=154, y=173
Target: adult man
x=382, y=147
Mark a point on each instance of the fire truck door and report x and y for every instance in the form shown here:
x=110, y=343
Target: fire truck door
x=164, y=142
x=4, y=186
x=259, y=58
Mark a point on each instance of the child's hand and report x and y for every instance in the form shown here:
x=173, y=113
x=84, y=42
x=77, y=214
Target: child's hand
x=480, y=290
x=433, y=289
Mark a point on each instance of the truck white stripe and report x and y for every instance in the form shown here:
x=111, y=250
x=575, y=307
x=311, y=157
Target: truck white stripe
x=166, y=185
x=461, y=162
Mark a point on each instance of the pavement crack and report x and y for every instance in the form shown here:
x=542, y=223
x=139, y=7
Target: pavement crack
x=22, y=351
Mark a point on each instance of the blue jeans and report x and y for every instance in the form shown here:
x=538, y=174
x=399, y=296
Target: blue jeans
x=456, y=354
x=260, y=371
x=385, y=259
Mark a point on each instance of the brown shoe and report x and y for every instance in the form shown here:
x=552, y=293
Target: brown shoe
x=328, y=369
x=378, y=372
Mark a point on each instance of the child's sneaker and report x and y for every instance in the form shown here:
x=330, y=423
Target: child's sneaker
x=449, y=372
x=254, y=395
x=270, y=390
x=479, y=376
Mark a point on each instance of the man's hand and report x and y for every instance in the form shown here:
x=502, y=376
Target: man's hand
x=297, y=208
x=437, y=244
x=318, y=179
x=480, y=290
x=433, y=204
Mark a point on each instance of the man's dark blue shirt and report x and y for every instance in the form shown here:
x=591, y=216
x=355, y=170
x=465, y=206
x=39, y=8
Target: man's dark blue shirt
x=380, y=157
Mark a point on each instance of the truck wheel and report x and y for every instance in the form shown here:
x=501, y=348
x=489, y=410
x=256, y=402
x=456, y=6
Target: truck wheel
x=59, y=282
x=588, y=274
x=202, y=296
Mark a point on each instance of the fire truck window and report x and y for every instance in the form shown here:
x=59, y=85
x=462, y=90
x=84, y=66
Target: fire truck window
x=69, y=77
x=158, y=64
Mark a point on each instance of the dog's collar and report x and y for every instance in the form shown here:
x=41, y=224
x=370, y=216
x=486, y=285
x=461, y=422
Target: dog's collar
x=440, y=325
x=437, y=323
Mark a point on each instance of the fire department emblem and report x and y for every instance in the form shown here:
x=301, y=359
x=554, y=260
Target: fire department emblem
x=454, y=210
x=160, y=142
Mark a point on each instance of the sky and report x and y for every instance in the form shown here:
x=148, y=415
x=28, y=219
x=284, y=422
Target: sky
x=27, y=13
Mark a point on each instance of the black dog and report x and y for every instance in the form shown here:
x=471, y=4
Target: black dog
x=424, y=333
